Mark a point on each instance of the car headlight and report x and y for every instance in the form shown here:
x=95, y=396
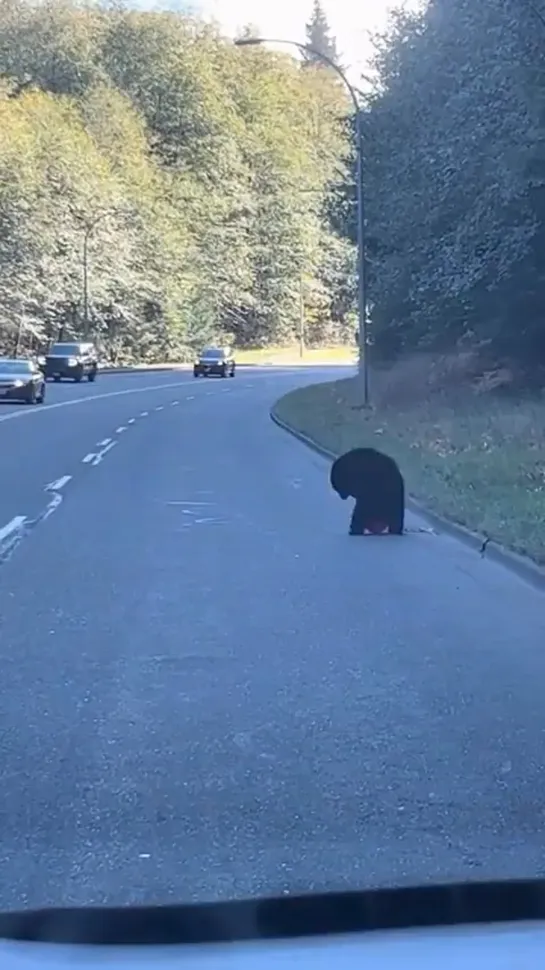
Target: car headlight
x=72, y=361
x=18, y=383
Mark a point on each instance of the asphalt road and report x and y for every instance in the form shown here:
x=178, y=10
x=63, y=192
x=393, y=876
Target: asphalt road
x=210, y=690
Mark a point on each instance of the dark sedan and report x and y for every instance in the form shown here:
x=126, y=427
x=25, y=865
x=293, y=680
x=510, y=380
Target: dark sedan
x=214, y=361
x=21, y=380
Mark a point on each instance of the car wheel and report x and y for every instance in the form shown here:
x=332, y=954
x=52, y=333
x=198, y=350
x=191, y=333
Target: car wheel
x=92, y=376
x=57, y=379
x=32, y=397
x=232, y=374
x=41, y=398
x=78, y=378
x=224, y=372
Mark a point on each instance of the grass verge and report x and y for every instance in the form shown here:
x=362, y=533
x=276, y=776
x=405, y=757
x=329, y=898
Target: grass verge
x=480, y=462
x=291, y=355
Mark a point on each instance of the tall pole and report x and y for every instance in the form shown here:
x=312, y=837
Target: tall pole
x=362, y=270
x=360, y=192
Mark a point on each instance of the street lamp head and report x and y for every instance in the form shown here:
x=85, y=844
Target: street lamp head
x=249, y=41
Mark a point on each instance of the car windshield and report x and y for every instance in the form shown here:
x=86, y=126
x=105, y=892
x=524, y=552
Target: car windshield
x=65, y=350
x=15, y=367
x=212, y=354
x=232, y=665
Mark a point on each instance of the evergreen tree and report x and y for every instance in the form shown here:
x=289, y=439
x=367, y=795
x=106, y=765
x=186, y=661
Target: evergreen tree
x=318, y=36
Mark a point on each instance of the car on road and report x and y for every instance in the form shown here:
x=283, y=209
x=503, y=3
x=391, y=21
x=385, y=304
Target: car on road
x=212, y=361
x=21, y=380
x=71, y=361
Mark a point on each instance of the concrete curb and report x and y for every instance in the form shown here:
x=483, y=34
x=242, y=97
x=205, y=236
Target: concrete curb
x=523, y=567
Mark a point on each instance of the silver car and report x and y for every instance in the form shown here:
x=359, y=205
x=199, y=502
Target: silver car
x=21, y=380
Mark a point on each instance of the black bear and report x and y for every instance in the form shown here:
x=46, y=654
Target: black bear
x=376, y=483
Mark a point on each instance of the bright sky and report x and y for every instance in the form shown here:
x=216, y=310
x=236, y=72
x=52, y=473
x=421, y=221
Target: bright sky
x=349, y=21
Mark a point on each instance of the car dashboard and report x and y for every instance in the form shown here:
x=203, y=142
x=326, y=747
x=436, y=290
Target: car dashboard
x=511, y=947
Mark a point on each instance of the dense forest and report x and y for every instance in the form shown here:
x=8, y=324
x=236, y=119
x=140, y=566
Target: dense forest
x=210, y=189
x=187, y=176
x=455, y=184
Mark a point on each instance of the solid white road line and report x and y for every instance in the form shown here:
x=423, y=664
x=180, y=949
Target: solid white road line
x=15, y=525
x=60, y=483
x=13, y=415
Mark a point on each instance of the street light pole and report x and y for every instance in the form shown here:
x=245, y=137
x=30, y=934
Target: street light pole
x=362, y=269
x=360, y=191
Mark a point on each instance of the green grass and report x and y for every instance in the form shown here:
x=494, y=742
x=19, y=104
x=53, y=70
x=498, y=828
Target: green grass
x=291, y=355
x=480, y=462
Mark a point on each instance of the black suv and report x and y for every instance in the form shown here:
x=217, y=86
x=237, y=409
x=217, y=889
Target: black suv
x=71, y=361
x=214, y=361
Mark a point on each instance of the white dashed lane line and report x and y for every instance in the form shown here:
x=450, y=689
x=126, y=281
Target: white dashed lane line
x=58, y=484
x=12, y=533
x=51, y=507
x=7, y=531
x=101, y=454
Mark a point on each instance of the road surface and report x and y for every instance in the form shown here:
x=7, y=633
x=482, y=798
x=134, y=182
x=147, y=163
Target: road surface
x=210, y=690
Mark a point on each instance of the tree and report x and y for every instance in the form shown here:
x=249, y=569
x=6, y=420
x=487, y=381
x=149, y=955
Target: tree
x=455, y=182
x=318, y=36
x=195, y=172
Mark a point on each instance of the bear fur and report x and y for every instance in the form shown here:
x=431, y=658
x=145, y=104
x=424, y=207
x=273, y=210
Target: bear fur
x=374, y=480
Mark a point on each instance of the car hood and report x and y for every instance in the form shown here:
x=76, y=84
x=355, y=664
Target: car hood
x=460, y=948
x=11, y=378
